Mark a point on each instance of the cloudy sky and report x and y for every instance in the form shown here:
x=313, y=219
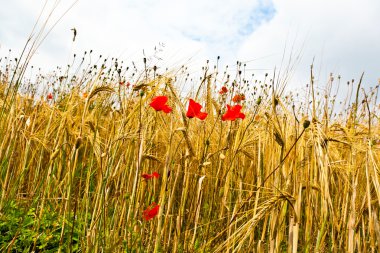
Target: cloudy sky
x=342, y=36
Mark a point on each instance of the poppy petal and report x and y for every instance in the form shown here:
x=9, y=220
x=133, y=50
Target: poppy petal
x=151, y=211
x=233, y=112
x=146, y=176
x=159, y=104
x=166, y=109
x=223, y=90
x=201, y=115
x=155, y=174
x=194, y=110
x=149, y=176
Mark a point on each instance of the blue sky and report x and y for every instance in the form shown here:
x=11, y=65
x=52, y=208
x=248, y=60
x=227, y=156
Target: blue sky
x=341, y=35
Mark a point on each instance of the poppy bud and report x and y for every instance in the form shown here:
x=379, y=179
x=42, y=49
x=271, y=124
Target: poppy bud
x=258, y=101
x=306, y=124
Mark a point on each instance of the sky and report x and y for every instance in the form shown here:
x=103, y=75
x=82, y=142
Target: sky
x=337, y=36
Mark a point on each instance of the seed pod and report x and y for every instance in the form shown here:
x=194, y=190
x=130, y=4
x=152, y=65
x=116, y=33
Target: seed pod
x=258, y=101
x=78, y=142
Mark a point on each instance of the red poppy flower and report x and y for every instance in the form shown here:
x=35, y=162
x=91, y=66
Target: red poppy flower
x=223, y=90
x=238, y=98
x=194, y=110
x=151, y=211
x=233, y=112
x=159, y=104
x=50, y=96
x=149, y=176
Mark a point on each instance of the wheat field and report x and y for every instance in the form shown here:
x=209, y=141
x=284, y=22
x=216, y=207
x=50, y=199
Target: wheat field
x=88, y=164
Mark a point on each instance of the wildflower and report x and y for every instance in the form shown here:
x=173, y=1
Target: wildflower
x=149, y=176
x=151, y=211
x=238, y=98
x=233, y=112
x=223, y=90
x=122, y=82
x=159, y=104
x=194, y=110
x=84, y=95
x=50, y=96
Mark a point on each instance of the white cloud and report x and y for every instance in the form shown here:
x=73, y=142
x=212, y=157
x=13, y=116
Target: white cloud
x=341, y=34
x=126, y=27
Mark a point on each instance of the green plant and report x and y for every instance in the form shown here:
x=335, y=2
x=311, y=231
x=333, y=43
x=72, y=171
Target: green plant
x=22, y=231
